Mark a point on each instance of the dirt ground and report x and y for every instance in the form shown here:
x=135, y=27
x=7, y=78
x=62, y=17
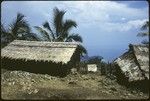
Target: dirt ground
x=25, y=85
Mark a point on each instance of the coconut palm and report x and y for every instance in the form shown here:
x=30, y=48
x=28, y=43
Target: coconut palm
x=18, y=29
x=144, y=27
x=5, y=36
x=61, y=30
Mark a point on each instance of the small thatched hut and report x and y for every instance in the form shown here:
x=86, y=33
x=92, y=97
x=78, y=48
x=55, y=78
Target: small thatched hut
x=55, y=58
x=133, y=65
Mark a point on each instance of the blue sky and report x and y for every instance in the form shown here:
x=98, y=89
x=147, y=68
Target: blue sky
x=107, y=27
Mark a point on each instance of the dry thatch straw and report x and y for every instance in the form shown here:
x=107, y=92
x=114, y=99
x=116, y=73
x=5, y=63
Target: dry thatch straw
x=134, y=64
x=40, y=51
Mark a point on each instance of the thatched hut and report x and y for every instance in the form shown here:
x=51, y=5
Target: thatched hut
x=88, y=68
x=91, y=67
x=133, y=66
x=55, y=58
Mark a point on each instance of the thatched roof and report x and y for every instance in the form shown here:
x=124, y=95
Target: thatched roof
x=134, y=64
x=40, y=50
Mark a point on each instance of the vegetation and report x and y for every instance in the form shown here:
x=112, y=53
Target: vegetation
x=18, y=29
x=104, y=68
x=145, y=28
x=61, y=30
x=100, y=64
x=95, y=60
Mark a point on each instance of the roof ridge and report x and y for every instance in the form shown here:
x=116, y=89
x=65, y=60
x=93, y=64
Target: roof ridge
x=47, y=42
x=143, y=45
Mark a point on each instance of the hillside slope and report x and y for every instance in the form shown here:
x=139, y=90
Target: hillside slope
x=25, y=85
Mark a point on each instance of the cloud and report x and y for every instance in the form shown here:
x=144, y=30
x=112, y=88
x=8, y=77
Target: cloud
x=123, y=19
x=120, y=27
x=86, y=9
x=136, y=23
x=107, y=15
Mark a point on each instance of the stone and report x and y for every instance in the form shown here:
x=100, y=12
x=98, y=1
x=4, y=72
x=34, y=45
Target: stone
x=113, y=89
x=72, y=83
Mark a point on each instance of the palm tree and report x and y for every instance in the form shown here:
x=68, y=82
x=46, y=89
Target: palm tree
x=18, y=29
x=144, y=27
x=5, y=36
x=61, y=30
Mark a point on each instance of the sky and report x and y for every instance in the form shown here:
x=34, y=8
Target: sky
x=107, y=27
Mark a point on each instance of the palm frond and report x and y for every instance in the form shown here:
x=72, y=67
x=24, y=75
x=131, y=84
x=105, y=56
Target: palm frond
x=34, y=36
x=19, y=25
x=143, y=34
x=59, y=38
x=145, y=42
x=31, y=36
x=145, y=26
x=13, y=28
x=22, y=23
x=68, y=25
x=58, y=20
x=82, y=50
x=6, y=37
x=75, y=37
x=3, y=30
x=20, y=17
x=23, y=30
x=43, y=32
x=47, y=26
